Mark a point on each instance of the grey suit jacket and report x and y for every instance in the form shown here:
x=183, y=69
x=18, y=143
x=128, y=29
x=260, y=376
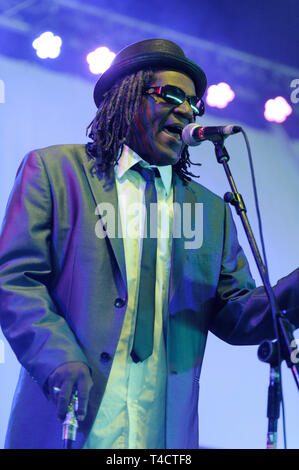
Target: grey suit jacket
x=63, y=294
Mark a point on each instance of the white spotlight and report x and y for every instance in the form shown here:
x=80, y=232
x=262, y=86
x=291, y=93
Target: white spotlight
x=100, y=59
x=47, y=45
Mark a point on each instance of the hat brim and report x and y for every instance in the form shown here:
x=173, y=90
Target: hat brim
x=154, y=60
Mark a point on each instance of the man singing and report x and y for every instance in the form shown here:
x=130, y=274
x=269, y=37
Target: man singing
x=87, y=305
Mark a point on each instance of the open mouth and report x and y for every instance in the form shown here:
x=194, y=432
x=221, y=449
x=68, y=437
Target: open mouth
x=174, y=131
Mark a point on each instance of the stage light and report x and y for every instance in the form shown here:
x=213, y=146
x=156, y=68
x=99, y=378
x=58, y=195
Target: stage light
x=277, y=109
x=100, y=59
x=47, y=45
x=220, y=95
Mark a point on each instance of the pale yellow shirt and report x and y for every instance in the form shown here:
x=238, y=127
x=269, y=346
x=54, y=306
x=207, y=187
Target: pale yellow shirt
x=132, y=412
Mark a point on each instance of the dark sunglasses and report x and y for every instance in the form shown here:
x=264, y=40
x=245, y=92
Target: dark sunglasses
x=175, y=95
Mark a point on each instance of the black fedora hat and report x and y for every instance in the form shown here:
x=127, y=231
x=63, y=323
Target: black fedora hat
x=147, y=54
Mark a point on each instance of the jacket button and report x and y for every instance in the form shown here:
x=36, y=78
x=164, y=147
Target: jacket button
x=119, y=302
x=105, y=357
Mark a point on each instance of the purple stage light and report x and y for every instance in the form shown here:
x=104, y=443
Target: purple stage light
x=277, y=109
x=220, y=95
x=100, y=59
x=47, y=45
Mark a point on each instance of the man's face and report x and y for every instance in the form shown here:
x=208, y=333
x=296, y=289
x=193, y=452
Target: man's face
x=151, y=136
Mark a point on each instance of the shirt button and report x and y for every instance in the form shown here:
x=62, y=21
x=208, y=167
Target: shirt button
x=105, y=357
x=119, y=302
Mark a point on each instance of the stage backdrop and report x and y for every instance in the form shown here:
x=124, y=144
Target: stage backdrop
x=40, y=108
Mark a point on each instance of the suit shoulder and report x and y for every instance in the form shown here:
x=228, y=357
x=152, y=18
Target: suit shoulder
x=55, y=159
x=56, y=154
x=204, y=193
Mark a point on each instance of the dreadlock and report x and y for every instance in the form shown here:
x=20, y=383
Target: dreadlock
x=110, y=128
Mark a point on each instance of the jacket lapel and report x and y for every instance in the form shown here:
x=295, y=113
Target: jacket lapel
x=181, y=195
x=106, y=193
x=105, y=196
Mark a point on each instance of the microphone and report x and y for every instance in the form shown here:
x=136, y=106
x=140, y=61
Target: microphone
x=193, y=134
x=70, y=424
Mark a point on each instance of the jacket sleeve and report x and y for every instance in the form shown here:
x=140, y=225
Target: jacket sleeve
x=242, y=314
x=30, y=320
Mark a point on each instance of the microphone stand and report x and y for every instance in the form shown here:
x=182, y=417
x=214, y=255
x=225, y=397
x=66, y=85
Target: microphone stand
x=268, y=352
x=282, y=326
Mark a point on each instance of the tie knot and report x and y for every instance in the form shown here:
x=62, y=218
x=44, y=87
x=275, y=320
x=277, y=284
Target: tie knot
x=148, y=174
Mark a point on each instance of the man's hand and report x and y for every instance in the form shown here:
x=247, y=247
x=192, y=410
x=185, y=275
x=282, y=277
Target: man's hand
x=68, y=378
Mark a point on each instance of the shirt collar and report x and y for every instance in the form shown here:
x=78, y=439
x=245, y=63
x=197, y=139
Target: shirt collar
x=129, y=158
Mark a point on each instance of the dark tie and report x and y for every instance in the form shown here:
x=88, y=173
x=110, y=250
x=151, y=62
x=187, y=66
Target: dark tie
x=144, y=329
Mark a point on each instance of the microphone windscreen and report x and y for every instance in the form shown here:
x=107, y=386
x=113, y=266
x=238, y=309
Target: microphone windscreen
x=187, y=134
